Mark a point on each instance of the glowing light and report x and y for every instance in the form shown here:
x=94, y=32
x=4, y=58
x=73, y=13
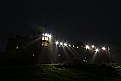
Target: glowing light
x=77, y=47
x=33, y=55
x=84, y=60
x=93, y=46
x=46, y=38
x=58, y=55
x=43, y=38
x=87, y=47
x=49, y=35
x=108, y=49
x=97, y=50
x=61, y=43
x=57, y=42
x=43, y=34
x=73, y=46
x=69, y=45
x=46, y=34
x=16, y=47
x=45, y=44
x=103, y=48
x=65, y=44
x=85, y=57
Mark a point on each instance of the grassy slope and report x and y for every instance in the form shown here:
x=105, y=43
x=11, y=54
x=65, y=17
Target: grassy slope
x=58, y=73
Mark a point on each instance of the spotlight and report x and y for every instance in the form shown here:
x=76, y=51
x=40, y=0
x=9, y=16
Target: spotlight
x=57, y=42
x=65, y=44
x=97, y=50
x=33, y=54
x=87, y=47
x=103, y=48
x=61, y=43
x=46, y=34
x=43, y=34
x=73, y=45
x=69, y=45
x=16, y=47
x=58, y=55
x=49, y=35
x=93, y=46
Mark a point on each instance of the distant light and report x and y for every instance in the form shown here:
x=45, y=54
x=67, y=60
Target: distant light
x=33, y=55
x=43, y=34
x=46, y=34
x=46, y=38
x=58, y=55
x=93, y=46
x=69, y=45
x=97, y=50
x=77, y=47
x=103, y=48
x=87, y=47
x=85, y=57
x=49, y=35
x=108, y=49
x=16, y=47
x=65, y=44
x=57, y=42
x=84, y=60
x=43, y=38
x=73, y=45
x=61, y=43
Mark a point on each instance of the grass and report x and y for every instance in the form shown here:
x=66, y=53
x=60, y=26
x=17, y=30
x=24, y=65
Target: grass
x=51, y=72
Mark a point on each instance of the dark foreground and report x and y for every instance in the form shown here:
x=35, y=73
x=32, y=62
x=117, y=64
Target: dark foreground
x=53, y=72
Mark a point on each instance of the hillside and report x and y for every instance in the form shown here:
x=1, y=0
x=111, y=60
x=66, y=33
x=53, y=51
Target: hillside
x=53, y=72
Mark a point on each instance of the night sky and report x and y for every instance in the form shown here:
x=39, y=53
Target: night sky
x=96, y=21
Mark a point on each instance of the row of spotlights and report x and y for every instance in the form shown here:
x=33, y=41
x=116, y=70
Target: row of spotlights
x=96, y=49
x=87, y=46
x=65, y=44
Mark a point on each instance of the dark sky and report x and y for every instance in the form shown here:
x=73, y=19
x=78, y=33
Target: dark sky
x=96, y=21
